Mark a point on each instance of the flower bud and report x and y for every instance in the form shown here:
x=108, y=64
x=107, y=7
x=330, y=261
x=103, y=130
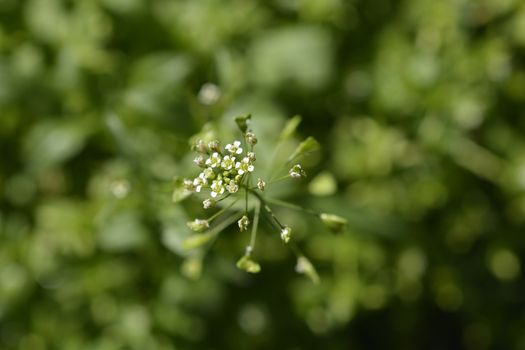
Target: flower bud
x=261, y=185
x=251, y=139
x=286, y=234
x=200, y=147
x=214, y=146
x=199, y=161
x=198, y=225
x=251, y=156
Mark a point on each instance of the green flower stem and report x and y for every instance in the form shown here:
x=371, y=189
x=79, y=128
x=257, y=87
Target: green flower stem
x=277, y=171
x=284, y=177
x=266, y=207
x=246, y=195
x=223, y=198
x=273, y=160
x=292, y=206
x=214, y=216
x=255, y=225
x=220, y=227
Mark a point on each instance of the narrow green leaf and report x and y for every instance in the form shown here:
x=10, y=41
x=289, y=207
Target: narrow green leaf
x=307, y=146
x=290, y=127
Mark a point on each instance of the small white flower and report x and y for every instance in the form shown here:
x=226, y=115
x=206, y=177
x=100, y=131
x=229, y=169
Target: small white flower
x=208, y=173
x=244, y=166
x=217, y=188
x=199, y=182
x=228, y=162
x=234, y=148
x=232, y=187
x=214, y=160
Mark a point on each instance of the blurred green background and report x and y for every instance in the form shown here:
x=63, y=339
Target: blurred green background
x=419, y=106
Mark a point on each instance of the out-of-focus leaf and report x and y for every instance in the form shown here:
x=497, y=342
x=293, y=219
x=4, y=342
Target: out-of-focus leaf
x=122, y=232
x=293, y=57
x=290, y=127
x=50, y=143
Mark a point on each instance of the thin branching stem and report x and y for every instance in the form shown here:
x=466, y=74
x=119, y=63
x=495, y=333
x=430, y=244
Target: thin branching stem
x=266, y=207
x=255, y=224
x=292, y=206
x=214, y=216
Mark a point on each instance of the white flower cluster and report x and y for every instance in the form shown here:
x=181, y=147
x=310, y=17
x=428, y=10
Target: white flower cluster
x=223, y=170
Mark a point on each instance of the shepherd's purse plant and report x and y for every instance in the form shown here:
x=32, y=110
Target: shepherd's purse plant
x=226, y=178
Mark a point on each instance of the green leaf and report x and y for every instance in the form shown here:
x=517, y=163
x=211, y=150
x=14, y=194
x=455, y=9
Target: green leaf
x=197, y=240
x=290, y=127
x=335, y=223
x=247, y=264
x=307, y=146
x=304, y=266
x=243, y=122
x=297, y=56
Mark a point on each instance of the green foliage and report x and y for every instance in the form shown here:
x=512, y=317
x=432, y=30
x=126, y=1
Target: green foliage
x=417, y=106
